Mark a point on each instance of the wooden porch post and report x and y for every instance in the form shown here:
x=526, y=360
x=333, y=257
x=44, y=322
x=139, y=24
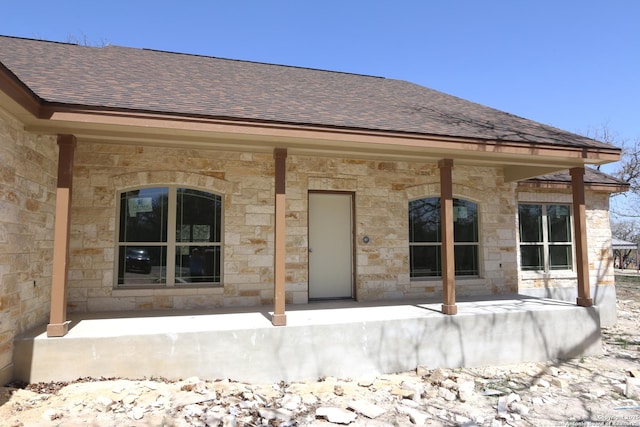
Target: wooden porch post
x=58, y=325
x=279, y=318
x=446, y=218
x=580, y=232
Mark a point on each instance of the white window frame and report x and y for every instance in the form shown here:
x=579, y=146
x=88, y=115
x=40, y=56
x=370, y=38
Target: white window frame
x=545, y=243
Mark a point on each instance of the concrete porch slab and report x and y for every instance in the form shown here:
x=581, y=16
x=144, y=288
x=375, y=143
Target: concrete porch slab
x=342, y=339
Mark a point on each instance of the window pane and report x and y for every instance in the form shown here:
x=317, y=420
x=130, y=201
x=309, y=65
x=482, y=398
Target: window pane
x=143, y=215
x=531, y=257
x=466, y=260
x=558, y=218
x=425, y=226
x=530, y=217
x=198, y=216
x=465, y=221
x=142, y=265
x=560, y=257
x=197, y=264
x=425, y=261
x=424, y=220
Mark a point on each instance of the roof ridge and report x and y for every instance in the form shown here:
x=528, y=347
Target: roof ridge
x=252, y=62
x=194, y=55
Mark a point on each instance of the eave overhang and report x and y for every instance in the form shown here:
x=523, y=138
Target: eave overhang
x=11, y=88
x=564, y=185
x=519, y=160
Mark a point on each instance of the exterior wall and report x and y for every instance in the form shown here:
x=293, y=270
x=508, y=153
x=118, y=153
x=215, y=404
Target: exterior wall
x=245, y=180
x=382, y=191
x=562, y=285
x=28, y=175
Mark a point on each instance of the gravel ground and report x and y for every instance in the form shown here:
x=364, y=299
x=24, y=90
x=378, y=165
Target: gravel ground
x=591, y=391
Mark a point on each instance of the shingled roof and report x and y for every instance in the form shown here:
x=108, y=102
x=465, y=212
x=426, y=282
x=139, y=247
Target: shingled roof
x=129, y=79
x=592, y=178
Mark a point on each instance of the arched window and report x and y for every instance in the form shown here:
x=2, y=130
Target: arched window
x=169, y=236
x=425, y=240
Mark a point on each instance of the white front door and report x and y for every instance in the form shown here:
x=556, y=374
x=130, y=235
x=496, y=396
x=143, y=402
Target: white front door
x=330, y=245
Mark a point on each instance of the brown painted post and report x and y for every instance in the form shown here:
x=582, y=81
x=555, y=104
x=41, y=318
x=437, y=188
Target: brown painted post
x=58, y=325
x=446, y=218
x=580, y=232
x=279, y=318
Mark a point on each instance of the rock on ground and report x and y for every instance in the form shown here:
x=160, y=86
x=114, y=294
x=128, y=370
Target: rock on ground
x=603, y=390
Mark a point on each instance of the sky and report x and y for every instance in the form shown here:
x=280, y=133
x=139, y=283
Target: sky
x=573, y=64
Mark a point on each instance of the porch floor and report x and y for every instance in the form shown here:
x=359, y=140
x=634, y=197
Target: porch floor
x=336, y=338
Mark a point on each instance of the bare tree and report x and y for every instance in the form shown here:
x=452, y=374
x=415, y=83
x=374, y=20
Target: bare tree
x=627, y=169
x=83, y=40
x=629, y=231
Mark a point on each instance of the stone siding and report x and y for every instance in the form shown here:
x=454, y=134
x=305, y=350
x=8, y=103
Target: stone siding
x=245, y=180
x=382, y=190
x=28, y=174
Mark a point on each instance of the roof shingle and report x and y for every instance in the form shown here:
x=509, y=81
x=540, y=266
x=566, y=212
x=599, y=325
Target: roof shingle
x=162, y=82
x=591, y=176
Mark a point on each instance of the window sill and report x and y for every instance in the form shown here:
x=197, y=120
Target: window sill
x=555, y=274
x=466, y=279
x=174, y=290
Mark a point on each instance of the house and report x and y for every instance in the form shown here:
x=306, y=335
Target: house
x=137, y=180
x=625, y=254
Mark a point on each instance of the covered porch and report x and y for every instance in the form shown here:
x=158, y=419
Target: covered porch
x=338, y=338
x=59, y=322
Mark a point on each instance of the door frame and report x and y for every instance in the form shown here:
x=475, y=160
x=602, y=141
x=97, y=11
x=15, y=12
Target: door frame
x=352, y=195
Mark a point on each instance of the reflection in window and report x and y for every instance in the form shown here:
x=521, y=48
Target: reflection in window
x=169, y=236
x=425, y=241
x=545, y=237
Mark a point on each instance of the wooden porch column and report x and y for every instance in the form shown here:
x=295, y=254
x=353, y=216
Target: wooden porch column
x=446, y=218
x=580, y=232
x=58, y=325
x=279, y=318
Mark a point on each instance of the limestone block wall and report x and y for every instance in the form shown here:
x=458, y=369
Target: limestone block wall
x=381, y=191
x=245, y=180
x=28, y=174
x=601, y=269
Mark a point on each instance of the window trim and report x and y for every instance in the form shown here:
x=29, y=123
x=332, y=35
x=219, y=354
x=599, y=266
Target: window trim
x=171, y=244
x=476, y=244
x=545, y=243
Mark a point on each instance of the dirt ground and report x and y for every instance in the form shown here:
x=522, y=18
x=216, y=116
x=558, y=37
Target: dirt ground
x=591, y=391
